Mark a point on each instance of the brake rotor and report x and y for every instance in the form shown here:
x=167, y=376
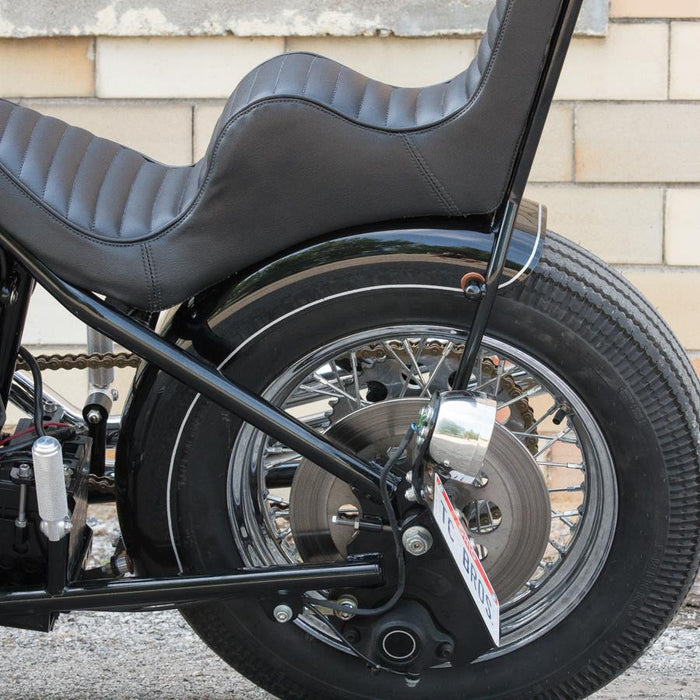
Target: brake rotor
x=509, y=517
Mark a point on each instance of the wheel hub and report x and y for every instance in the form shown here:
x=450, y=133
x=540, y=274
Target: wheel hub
x=508, y=518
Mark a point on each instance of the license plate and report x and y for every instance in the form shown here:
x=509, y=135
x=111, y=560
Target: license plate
x=467, y=561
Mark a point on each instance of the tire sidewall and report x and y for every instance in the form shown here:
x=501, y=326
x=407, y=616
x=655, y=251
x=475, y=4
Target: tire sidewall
x=281, y=328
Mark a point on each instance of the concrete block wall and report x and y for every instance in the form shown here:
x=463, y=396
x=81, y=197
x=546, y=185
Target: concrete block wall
x=619, y=165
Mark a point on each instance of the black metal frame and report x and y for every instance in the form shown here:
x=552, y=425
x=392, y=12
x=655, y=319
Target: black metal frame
x=208, y=381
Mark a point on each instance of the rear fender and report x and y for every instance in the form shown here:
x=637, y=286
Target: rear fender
x=426, y=253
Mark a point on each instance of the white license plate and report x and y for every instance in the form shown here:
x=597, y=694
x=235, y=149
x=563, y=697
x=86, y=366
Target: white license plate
x=466, y=559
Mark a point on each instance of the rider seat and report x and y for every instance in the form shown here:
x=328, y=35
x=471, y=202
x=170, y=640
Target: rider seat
x=304, y=147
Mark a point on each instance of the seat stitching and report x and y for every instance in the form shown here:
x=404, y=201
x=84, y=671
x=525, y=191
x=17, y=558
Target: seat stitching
x=308, y=75
x=77, y=172
x=364, y=96
x=252, y=85
x=29, y=144
x=156, y=198
x=186, y=182
x=157, y=303
x=174, y=225
x=388, y=108
x=415, y=111
x=93, y=219
x=13, y=108
x=128, y=197
x=53, y=158
x=279, y=74
x=147, y=273
x=429, y=177
x=337, y=83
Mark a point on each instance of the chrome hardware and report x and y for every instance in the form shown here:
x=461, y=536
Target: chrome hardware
x=93, y=417
x=99, y=377
x=51, y=495
x=283, y=613
x=417, y=540
x=24, y=472
x=457, y=427
x=349, y=602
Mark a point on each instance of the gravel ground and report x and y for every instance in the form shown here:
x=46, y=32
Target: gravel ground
x=156, y=655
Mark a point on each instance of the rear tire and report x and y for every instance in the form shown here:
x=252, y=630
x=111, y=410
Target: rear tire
x=579, y=319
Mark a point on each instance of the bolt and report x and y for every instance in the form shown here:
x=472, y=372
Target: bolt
x=410, y=495
x=352, y=635
x=475, y=291
x=411, y=680
x=283, y=613
x=115, y=395
x=349, y=602
x=94, y=416
x=417, y=540
x=445, y=650
x=25, y=471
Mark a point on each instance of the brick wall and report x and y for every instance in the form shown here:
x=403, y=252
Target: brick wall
x=619, y=166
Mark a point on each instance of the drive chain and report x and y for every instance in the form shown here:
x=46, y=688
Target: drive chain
x=95, y=360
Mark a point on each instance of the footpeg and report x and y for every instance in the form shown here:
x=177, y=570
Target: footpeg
x=52, y=499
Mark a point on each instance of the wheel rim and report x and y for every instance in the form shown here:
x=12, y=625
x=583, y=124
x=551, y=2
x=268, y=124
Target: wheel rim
x=574, y=455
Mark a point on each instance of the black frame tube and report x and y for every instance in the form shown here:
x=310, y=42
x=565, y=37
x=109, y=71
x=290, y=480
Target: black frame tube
x=505, y=220
x=205, y=379
x=143, y=592
x=255, y=410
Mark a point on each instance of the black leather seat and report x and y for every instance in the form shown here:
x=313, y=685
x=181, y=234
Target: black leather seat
x=305, y=146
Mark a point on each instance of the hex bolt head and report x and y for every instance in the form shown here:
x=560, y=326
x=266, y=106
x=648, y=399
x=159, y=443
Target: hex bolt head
x=445, y=650
x=417, y=540
x=283, y=613
x=352, y=635
x=94, y=416
x=349, y=602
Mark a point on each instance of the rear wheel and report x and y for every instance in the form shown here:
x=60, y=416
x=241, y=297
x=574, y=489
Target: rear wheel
x=589, y=522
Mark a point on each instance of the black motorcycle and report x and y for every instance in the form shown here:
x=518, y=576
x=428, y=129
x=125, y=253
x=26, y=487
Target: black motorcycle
x=391, y=438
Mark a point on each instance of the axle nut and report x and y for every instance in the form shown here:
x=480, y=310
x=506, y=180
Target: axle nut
x=417, y=540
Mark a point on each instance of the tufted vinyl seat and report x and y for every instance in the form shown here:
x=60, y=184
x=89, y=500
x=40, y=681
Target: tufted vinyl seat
x=304, y=146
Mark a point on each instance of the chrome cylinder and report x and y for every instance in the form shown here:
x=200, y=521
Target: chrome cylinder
x=457, y=426
x=100, y=377
x=52, y=499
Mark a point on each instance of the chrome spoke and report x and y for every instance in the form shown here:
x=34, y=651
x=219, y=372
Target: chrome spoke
x=526, y=394
x=416, y=363
x=552, y=410
x=336, y=373
x=356, y=379
x=438, y=366
x=407, y=380
x=563, y=465
x=551, y=441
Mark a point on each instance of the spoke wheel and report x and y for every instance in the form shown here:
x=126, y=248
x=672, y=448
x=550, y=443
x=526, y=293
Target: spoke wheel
x=592, y=389
x=335, y=382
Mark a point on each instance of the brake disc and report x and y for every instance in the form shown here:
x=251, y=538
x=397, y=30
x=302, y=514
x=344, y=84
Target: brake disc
x=386, y=378
x=509, y=517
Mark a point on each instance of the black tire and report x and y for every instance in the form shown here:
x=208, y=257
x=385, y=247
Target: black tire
x=573, y=314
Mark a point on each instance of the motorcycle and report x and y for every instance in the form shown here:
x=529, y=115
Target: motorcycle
x=388, y=437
